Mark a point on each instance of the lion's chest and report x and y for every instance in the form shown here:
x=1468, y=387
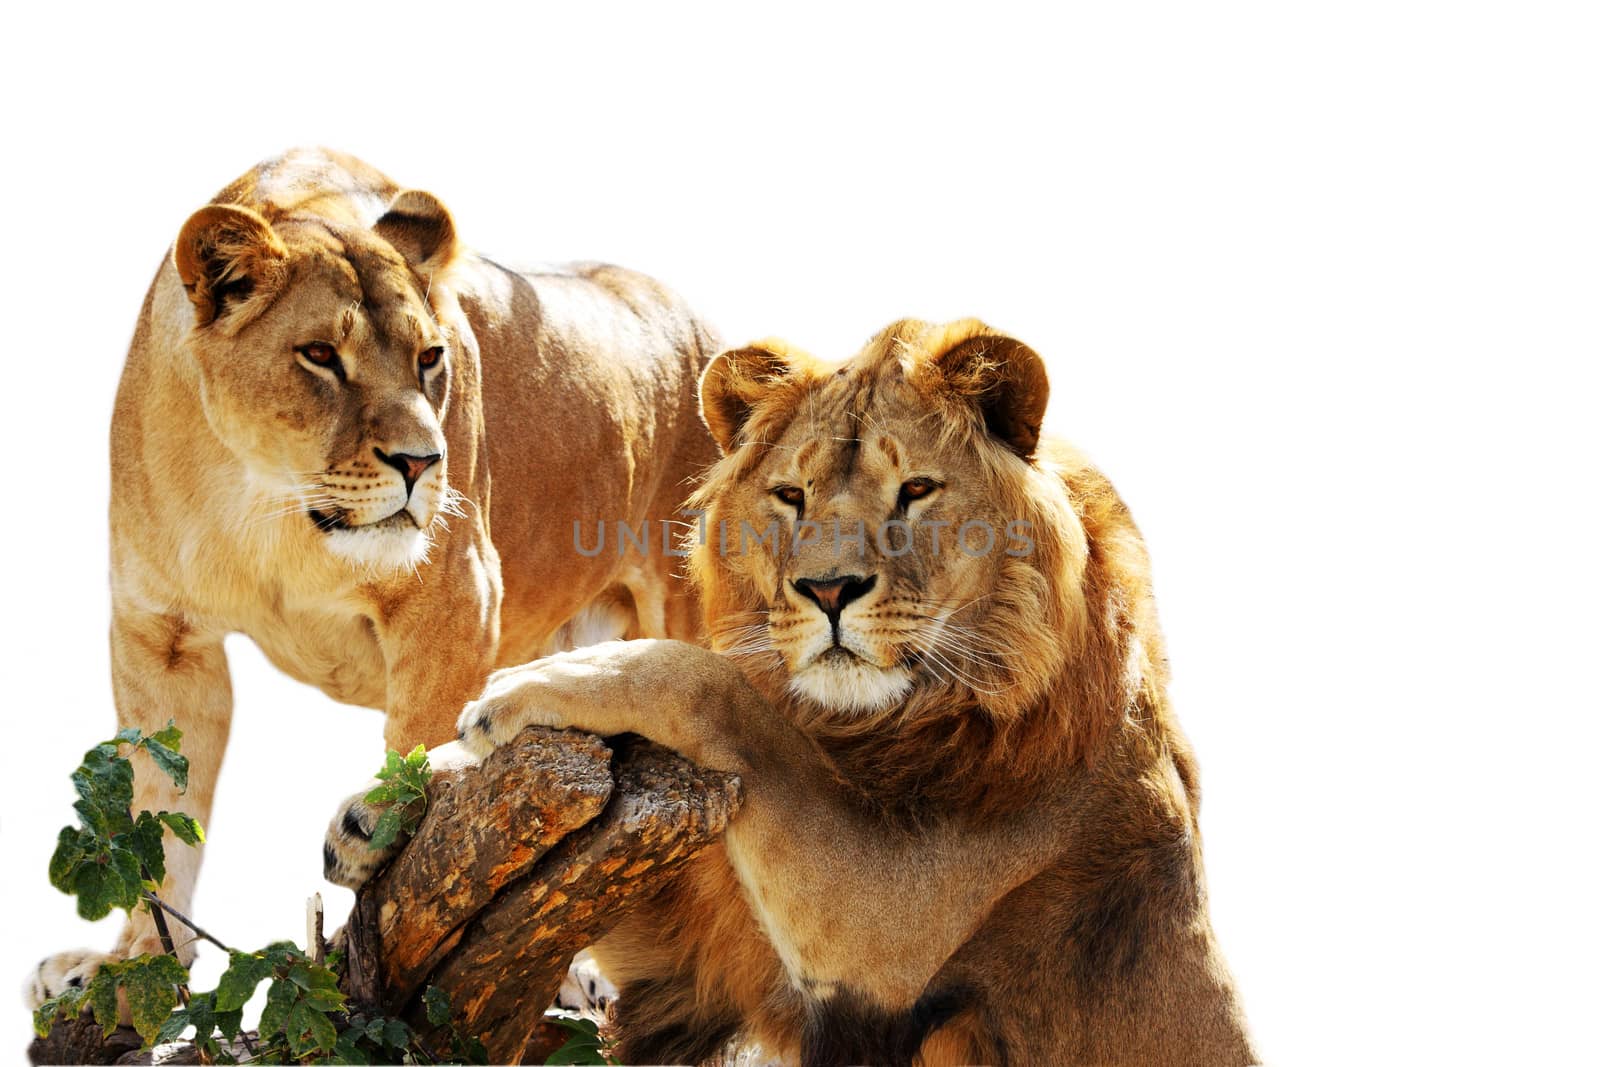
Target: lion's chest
x=336, y=652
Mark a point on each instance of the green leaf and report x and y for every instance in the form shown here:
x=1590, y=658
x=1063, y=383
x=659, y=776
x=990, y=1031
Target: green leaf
x=437, y=1004
x=176, y=1024
x=151, y=986
x=73, y=848
x=246, y=970
x=390, y=823
x=144, y=841
x=184, y=826
x=229, y=1023
x=584, y=1046
x=396, y=1034
x=66, y=1004
x=170, y=736
x=176, y=766
x=388, y=793
x=309, y=1030
x=346, y=1050
x=130, y=734
x=320, y=985
x=281, y=996
x=472, y=1050
x=103, y=999
x=104, y=781
x=114, y=883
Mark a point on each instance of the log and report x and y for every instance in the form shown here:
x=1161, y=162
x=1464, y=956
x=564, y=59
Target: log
x=519, y=863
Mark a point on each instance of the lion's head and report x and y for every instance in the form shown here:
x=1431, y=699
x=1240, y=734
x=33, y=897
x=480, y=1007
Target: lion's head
x=325, y=365
x=920, y=547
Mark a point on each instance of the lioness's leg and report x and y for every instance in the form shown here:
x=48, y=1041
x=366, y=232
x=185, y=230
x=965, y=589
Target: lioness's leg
x=162, y=668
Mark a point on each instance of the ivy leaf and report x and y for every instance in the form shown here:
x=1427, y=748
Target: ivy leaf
x=111, y=881
x=73, y=848
x=103, y=999
x=151, y=985
x=46, y=1014
x=144, y=841
x=583, y=1046
x=390, y=823
x=169, y=736
x=275, y=1015
x=187, y=829
x=104, y=781
x=396, y=1034
x=176, y=1024
x=437, y=1003
x=168, y=759
x=320, y=985
x=345, y=1049
x=310, y=1030
x=238, y=983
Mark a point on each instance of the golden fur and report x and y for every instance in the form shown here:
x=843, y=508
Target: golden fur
x=969, y=832
x=259, y=490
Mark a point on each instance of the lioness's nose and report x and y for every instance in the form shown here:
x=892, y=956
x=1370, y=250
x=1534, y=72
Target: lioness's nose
x=835, y=594
x=410, y=467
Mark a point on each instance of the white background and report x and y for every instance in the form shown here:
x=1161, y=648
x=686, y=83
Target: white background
x=1316, y=287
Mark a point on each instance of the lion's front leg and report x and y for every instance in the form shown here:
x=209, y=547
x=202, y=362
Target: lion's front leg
x=686, y=698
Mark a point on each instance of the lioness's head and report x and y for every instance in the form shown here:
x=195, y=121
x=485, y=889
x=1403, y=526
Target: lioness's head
x=325, y=367
x=885, y=527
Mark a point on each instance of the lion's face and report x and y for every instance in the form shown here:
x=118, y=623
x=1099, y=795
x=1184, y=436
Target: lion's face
x=888, y=491
x=326, y=371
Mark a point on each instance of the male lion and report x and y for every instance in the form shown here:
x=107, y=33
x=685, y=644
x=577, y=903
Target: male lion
x=969, y=832
x=323, y=388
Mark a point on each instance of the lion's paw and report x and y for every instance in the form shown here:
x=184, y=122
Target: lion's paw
x=56, y=974
x=348, y=858
x=503, y=712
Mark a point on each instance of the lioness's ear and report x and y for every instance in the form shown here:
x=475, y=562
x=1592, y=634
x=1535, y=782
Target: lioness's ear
x=420, y=228
x=734, y=382
x=1003, y=377
x=228, y=256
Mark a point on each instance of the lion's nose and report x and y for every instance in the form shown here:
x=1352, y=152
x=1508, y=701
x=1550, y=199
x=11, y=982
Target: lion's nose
x=835, y=594
x=410, y=467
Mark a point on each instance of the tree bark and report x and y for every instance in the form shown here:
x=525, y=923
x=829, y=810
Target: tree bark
x=519, y=864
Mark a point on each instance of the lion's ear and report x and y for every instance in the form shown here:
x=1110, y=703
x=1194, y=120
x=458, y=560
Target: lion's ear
x=1003, y=377
x=420, y=229
x=734, y=383
x=228, y=256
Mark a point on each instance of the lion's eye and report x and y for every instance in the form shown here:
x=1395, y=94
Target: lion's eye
x=792, y=495
x=916, y=489
x=430, y=357
x=322, y=354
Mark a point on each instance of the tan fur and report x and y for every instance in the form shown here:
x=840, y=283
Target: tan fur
x=571, y=394
x=997, y=861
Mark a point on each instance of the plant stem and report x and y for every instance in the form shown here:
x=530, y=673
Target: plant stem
x=181, y=917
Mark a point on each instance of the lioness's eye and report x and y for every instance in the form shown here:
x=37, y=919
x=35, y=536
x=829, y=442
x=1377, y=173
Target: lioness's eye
x=430, y=356
x=792, y=495
x=322, y=354
x=916, y=489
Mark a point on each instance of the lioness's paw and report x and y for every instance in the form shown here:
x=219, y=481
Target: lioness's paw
x=56, y=974
x=348, y=858
x=503, y=712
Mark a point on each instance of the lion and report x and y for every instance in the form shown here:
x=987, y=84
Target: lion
x=969, y=831
x=323, y=388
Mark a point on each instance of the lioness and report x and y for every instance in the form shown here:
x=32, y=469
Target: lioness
x=969, y=832
x=322, y=390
